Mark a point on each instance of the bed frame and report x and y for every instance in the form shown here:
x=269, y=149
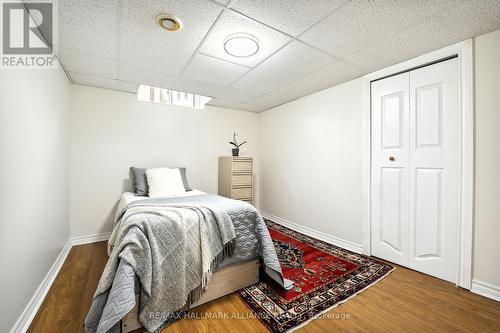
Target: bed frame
x=224, y=281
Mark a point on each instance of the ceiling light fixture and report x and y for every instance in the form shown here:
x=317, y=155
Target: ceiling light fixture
x=169, y=22
x=241, y=45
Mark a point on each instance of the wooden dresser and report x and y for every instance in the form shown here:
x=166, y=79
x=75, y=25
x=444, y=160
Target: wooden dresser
x=236, y=178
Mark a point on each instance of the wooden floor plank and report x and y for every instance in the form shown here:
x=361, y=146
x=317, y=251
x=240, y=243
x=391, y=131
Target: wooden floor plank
x=405, y=301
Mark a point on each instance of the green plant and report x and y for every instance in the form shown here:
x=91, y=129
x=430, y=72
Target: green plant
x=235, y=141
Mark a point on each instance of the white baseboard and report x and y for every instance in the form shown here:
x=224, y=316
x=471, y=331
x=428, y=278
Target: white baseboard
x=79, y=240
x=22, y=324
x=358, y=248
x=486, y=289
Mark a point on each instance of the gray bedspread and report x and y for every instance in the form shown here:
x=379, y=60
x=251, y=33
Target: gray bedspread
x=252, y=240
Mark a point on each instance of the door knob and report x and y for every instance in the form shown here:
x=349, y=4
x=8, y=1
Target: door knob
x=392, y=159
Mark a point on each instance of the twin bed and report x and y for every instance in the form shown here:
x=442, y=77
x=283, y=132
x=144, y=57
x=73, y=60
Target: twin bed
x=155, y=273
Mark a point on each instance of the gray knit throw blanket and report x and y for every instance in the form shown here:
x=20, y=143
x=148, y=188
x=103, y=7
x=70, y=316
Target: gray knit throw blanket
x=173, y=251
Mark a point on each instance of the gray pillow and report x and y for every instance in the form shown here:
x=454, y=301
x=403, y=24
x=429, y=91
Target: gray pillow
x=140, y=181
x=184, y=179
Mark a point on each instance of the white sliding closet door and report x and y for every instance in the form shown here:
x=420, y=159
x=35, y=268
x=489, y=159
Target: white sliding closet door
x=415, y=169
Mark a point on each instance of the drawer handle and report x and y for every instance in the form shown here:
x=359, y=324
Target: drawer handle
x=392, y=159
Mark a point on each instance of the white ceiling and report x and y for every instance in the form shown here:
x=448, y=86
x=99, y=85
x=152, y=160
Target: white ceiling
x=304, y=46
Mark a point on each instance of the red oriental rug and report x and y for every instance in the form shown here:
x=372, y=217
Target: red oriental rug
x=325, y=275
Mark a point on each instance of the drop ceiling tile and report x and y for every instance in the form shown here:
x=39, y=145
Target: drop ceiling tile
x=142, y=75
x=197, y=87
x=488, y=6
x=360, y=23
x=291, y=17
x=143, y=43
x=268, y=101
x=236, y=95
x=477, y=15
x=288, y=64
x=325, y=77
x=213, y=70
x=466, y=20
x=222, y=2
x=235, y=105
x=89, y=26
x=74, y=61
x=231, y=22
x=94, y=81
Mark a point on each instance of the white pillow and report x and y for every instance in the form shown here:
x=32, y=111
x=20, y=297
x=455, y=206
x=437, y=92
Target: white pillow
x=164, y=182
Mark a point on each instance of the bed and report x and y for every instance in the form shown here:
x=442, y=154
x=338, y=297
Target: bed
x=117, y=308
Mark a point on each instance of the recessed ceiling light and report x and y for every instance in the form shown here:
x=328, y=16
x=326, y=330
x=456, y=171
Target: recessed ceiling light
x=241, y=45
x=169, y=22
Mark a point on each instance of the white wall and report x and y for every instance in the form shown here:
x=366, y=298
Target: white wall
x=34, y=182
x=311, y=161
x=487, y=108
x=111, y=131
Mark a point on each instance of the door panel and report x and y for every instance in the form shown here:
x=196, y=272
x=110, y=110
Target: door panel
x=390, y=210
x=390, y=118
x=434, y=169
x=428, y=213
x=392, y=126
x=428, y=112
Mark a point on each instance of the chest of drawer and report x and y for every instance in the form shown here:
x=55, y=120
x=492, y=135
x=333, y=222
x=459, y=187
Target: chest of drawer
x=242, y=180
x=242, y=166
x=245, y=192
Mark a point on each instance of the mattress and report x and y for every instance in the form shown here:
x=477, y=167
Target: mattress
x=247, y=245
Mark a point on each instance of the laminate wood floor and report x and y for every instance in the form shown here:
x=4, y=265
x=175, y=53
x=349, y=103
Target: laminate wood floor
x=405, y=301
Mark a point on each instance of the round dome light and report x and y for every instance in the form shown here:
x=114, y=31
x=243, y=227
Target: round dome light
x=241, y=45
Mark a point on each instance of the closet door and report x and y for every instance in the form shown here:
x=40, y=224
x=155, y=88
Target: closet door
x=434, y=169
x=390, y=168
x=416, y=169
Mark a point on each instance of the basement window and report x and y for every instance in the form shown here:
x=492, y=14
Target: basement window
x=171, y=97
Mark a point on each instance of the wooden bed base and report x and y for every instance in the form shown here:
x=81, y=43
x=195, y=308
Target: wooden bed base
x=224, y=281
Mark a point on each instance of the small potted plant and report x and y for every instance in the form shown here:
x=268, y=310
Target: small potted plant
x=236, y=149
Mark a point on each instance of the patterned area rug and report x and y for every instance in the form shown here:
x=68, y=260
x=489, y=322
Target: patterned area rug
x=325, y=275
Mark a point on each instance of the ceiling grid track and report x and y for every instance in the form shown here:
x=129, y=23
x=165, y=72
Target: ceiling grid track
x=201, y=43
